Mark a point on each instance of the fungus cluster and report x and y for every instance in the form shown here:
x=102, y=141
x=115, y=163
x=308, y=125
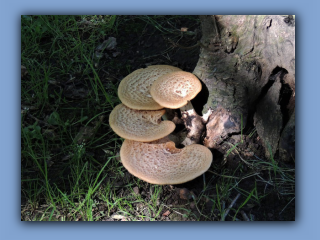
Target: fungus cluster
x=147, y=151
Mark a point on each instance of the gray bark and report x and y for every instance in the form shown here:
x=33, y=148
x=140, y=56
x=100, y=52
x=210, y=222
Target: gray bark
x=247, y=64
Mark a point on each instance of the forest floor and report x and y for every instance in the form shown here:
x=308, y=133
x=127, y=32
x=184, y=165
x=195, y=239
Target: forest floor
x=70, y=166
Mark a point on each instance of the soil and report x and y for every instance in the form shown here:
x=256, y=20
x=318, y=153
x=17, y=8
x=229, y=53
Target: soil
x=133, y=51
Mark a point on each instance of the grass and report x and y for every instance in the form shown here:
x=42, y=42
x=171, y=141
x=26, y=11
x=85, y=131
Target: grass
x=70, y=169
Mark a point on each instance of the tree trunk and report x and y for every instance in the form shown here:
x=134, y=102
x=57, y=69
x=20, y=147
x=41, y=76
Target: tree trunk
x=247, y=64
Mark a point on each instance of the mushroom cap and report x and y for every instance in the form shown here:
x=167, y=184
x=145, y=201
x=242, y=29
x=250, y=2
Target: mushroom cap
x=160, y=162
x=139, y=125
x=134, y=89
x=175, y=89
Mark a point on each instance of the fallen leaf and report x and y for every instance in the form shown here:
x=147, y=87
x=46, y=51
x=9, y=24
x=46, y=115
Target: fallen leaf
x=108, y=44
x=98, y=55
x=67, y=157
x=75, y=92
x=49, y=163
x=108, y=152
x=184, y=193
x=136, y=190
x=115, y=216
x=115, y=54
x=23, y=71
x=166, y=213
x=85, y=134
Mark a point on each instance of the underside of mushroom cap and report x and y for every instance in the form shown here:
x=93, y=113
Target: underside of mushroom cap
x=175, y=89
x=134, y=89
x=139, y=125
x=160, y=162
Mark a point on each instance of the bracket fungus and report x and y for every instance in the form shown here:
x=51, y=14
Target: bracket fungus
x=134, y=89
x=147, y=151
x=160, y=162
x=175, y=89
x=139, y=125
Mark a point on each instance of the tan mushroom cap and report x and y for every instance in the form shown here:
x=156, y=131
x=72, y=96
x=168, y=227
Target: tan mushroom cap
x=134, y=89
x=175, y=89
x=139, y=125
x=160, y=162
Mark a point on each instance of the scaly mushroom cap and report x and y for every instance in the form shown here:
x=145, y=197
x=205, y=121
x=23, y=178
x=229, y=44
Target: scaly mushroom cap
x=175, y=89
x=160, y=162
x=138, y=125
x=134, y=89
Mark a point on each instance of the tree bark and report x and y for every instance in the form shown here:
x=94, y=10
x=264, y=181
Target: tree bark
x=247, y=64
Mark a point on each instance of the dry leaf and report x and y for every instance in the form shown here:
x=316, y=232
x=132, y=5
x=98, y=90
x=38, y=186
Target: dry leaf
x=108, y=44
x=115, y=216
x=23, y=71
x=166, y=213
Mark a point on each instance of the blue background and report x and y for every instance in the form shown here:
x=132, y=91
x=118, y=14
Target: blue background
x=307, y=224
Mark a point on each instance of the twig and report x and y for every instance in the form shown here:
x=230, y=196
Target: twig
x=244, y=215
x=172, y=209
x=183, y=47
x=230, y=206
x=247, y=163
x=39, y=121
x=220, y=175
x=287, y=205
x=240, y=178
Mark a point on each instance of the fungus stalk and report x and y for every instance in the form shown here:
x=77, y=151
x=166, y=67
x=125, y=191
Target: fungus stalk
x=194, y=124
